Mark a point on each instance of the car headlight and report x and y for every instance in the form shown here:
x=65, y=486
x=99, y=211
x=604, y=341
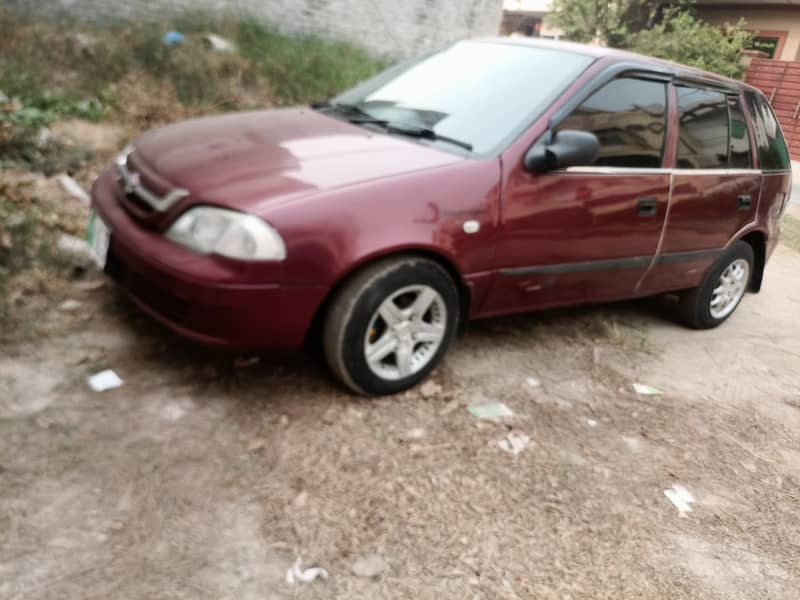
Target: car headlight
x=209, y=230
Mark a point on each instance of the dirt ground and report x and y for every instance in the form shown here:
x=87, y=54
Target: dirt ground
x=200, y=480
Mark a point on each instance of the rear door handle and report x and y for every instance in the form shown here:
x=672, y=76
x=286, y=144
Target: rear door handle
x=744, y=201
x=647, y=207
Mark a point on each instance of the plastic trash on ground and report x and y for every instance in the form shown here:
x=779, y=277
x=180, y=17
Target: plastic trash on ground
x=104, y=380
x=297, y=574
x=76, y=249
x=74, y=189
x=533, y=382
x=514, y=443
x=681, y=498
x=491, y=411
x=172, y=38
x=646, y=390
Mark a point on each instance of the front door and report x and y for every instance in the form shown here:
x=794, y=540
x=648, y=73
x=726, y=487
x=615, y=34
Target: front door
x=588, y=233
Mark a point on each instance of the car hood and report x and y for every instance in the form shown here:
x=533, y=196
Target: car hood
x=247, y=161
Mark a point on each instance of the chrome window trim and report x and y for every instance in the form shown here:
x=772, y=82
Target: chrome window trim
x=131, y=185
x=656, y=171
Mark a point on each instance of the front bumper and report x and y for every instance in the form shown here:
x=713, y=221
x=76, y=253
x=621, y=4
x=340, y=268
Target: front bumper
x=209, y=299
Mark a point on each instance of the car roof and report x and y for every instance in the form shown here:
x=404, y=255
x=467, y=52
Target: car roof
x=613, y=55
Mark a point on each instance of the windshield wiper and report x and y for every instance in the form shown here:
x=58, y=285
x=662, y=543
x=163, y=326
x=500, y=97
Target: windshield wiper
x=428, y=134
x=360, y=115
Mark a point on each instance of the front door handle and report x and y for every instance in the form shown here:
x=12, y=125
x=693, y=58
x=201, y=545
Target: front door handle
x=647, y=207
x=744, y=202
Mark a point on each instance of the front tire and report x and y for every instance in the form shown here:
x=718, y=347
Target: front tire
x=389, y=326
x=722, y=289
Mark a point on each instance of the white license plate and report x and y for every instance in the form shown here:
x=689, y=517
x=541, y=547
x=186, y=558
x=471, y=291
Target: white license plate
x=98, y=235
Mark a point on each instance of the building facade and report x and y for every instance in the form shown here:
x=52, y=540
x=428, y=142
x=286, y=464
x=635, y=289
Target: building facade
x=775, y=25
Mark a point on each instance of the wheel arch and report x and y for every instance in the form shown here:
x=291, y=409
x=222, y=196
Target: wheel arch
x=464, y=293
x=758, y=242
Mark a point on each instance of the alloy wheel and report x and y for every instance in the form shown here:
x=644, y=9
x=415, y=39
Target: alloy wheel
x=730, y=288
x=405, y=332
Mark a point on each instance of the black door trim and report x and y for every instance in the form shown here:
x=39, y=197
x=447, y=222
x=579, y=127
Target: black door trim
x=671, y=258
x=616, y=264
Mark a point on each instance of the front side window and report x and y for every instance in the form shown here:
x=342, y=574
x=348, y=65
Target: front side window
x=703, y=129
x=772, y=152
x=480, y=93
x=628, y=116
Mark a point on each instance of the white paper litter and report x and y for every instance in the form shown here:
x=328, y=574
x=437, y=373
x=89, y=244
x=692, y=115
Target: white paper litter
x=592, y=423
x=681, y=498
x=514, y=443
x=415, y=434
x=70, y=305
x=491, y=411
x=74, y=189
x=219, y=43
x=646, y=390
x=369, y=566
x=297, y=574
x=533, y=382
x=104, y=380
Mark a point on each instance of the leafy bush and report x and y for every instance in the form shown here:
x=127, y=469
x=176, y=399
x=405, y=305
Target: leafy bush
x=664, y=30
x=686, y=39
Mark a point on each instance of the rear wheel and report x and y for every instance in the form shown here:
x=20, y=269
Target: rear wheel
x=722, y=289
x=389, y=326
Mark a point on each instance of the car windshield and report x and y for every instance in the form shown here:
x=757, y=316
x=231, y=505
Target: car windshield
x=479, y=93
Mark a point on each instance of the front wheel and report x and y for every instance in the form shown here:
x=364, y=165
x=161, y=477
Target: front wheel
x=389, y=326
x=722, y=289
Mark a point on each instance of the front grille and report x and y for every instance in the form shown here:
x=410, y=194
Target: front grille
x=140, y=193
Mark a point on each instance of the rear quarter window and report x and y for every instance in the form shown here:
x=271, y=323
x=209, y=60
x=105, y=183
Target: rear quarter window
x=703, y=132
x=771, y=148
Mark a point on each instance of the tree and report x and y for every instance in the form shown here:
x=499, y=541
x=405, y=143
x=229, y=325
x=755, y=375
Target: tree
x=610, y=23
x=688, y=40
x=663, y=29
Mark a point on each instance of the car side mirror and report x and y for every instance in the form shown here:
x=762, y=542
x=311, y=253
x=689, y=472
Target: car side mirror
x=566, y=148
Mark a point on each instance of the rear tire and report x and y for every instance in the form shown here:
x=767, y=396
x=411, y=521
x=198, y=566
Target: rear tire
x=725, y=284
x=390, y=324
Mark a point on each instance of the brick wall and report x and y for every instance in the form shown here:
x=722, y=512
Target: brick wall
x=388, y=27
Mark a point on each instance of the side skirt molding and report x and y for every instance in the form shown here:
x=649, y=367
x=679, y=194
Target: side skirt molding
x=634, y=262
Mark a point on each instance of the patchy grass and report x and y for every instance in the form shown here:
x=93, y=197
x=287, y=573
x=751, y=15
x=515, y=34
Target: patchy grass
x=790, y=232
x=122, y=73
x=73, y=69
x=53, y=70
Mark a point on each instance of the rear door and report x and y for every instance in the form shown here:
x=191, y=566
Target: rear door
x=773, y=160
x=715, y=189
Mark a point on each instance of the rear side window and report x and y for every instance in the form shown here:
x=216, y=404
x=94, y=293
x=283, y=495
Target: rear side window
x=772, y=152
x=628, y=116
x=739, y=157
x=703, y=130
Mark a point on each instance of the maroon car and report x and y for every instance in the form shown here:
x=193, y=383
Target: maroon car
x=489, y=177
